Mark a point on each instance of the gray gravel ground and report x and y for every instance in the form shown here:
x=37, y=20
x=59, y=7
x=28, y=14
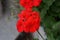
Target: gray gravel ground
x=7, y=29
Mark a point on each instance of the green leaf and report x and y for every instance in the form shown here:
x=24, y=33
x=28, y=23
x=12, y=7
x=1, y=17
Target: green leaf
x=58, y=38
x=56, y=26
x=48, y=21
x=56, y=29
x=48, y=3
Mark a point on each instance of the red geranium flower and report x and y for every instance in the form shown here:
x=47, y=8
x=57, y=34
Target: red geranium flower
x=29, y=3
x=24, y=13
x=37, y=2
x=29, y=21
x=26, y=3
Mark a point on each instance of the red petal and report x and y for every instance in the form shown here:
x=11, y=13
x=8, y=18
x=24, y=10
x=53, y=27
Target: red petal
x=26, y=29
x=19, y=26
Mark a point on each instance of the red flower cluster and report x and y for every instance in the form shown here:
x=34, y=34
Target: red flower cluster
x=29, y=21
x=30, y=3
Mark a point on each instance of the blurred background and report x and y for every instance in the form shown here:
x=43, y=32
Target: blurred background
x=49, y=13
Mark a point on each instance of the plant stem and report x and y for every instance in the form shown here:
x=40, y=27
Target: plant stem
x=40, y=35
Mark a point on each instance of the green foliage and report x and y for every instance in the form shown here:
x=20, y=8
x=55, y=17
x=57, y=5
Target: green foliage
x=44, y=7
x=35, y=39
x=50, y=14
x=56, y=30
